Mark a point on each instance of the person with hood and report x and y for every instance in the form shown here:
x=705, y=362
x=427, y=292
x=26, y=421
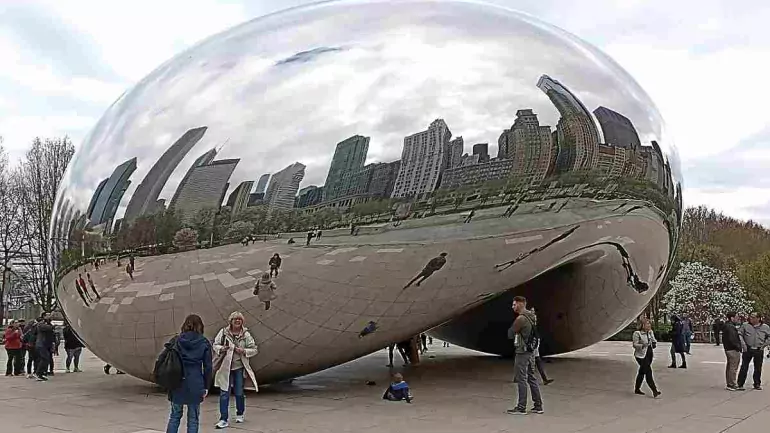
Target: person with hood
x=73, y=346
x=233, y=346
x=12, y=337
x=196, y=355
x=265, y=289
x=677, y=341
x=275, y=264
x=44, y=344
x=523, y=332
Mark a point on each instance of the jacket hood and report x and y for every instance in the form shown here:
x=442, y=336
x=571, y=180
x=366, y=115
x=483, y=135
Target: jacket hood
x=530, y=315
x=192, y=346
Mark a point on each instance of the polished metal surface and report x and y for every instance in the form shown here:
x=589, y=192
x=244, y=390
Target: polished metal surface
x=557, y=181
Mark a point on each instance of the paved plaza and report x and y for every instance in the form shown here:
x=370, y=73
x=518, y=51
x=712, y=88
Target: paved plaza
x=456, y=390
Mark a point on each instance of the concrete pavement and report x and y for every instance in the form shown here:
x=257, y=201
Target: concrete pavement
x=456, y=390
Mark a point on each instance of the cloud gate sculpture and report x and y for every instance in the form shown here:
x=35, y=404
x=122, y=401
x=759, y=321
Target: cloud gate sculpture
x=414, y=164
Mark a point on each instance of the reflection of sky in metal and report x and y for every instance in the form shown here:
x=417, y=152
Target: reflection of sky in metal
x=276, y=89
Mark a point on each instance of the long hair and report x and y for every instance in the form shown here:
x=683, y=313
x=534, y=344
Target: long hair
x=643, y=321
x=193, y=323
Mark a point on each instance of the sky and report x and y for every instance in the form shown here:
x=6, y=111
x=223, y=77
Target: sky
x=65, y=63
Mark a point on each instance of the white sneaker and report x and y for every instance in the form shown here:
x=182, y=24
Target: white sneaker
x=239, y=419
x=221, y=424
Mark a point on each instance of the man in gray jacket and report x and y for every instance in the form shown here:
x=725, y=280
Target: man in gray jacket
x=524, y=333
x=754, y=335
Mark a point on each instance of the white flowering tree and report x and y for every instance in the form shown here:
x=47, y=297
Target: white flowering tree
x=705, y=293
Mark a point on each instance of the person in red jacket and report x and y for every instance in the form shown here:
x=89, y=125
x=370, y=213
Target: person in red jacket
x=13, y=348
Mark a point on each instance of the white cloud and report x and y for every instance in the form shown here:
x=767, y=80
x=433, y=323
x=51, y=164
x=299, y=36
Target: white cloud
x=741, y=203
x=18, y=131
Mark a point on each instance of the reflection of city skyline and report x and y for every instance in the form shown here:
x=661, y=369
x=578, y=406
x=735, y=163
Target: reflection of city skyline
x=528, y=153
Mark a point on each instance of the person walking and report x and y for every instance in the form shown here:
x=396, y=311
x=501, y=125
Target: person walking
x=716, y=329
x=195, y=352
x=677, y=342
x=434, y=265
x=13, y=348
x=731, y=343
x=523, y=332
x=539, y=361
x=754, y=336
x=275, y=264
x=93, y=287
x=130, y=271
x=44, y=347
x=233, y=346
x=644, y=343
x=265, y=289
x=73, y=347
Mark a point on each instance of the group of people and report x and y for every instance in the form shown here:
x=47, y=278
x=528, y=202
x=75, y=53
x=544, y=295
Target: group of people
x=82, y=289
x=35, y=344
x=223, y=362
x=313, y=234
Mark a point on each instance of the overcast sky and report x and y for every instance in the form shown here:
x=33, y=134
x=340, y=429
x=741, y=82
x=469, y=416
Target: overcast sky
x=64, y=63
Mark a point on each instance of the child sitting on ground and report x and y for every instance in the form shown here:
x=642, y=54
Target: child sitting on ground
x=398, y=390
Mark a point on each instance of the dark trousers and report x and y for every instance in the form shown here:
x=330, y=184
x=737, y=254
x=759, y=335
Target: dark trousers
x=717, y=336
x=541, y=368
x=645, y=373
x=14, y=364
x=751, y=355
x=31, y=360
x=44, y=360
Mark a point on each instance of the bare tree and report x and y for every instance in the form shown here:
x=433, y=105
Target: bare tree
x=11, y=233
x=42, y=171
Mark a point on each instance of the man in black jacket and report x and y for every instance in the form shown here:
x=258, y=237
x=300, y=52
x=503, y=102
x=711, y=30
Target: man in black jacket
x=44, y=346
x=732, y=345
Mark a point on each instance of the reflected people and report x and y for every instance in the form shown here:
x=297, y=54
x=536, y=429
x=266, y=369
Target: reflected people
x=353, y=156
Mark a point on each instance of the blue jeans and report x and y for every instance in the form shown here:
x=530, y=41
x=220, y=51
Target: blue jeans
x=193, y=415
x=236, y=384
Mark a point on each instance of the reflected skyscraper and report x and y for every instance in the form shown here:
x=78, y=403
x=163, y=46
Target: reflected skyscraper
x=262, y=183
x=145, y=198
x=239, y=198
x=110, y=192
x=617, y=128
x=578, y=138
x=423, y=160
x=530, y=147
x=482, y=150
x=284, y=186
x=204, y=186
x=309, y=196
x=349, y=157
x=454, y=155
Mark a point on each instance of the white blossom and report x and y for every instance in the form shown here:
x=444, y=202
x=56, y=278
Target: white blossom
x=705, y=293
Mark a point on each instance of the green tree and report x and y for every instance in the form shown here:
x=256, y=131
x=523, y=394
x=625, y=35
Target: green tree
x=239, y=230
x=755, y=276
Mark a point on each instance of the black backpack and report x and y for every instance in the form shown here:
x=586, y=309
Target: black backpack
x=168, y=371
x=533, y=340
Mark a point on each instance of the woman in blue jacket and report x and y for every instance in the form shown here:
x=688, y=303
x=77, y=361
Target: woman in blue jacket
x=195, y=352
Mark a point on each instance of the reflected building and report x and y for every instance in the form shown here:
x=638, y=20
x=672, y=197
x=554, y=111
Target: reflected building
x=349, y=157
x=262, y=183
x=530, y=146
x=283, y=187
x=482, y=150
x=204, y=186
x=238, y=200
x=144, y=200
x=309, y=196
x=477, y=173
x=577, y=136
x=109, y=193
x=423, y=160
x=454, y=156
x=617, y=128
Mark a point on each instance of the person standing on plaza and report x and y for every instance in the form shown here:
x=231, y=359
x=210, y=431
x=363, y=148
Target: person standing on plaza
x=644, y=343
x=731, y=343
x=524, y=333
x=754, y=336
x=233, y=346
x=717, y=328
x=677, y=342
x=196, y=355
x=73, y=347
x=46, y=339
x=29, y=339
x=265, y=289
x=687, y=330
x=539, y=361
x=13, y=348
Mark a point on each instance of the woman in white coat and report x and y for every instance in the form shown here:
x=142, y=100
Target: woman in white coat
x=233, y=346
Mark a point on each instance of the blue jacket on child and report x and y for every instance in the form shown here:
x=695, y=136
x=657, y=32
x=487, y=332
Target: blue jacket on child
x=195, y=351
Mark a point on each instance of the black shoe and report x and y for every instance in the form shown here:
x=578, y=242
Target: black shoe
x=537, y=410
x=672, y=366
x=758, y=387
x=516, y=411
x=656, y=394
x=106, y=369
x=639, y=392
x=547, y=381
x=683, y=366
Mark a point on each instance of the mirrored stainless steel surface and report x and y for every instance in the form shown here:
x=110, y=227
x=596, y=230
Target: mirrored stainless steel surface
x=444, y=156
